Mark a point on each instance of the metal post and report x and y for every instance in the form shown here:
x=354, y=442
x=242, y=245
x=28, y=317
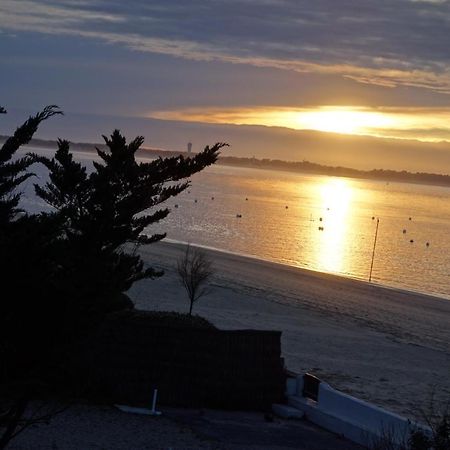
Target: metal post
x=155, y=395
x=373, y=251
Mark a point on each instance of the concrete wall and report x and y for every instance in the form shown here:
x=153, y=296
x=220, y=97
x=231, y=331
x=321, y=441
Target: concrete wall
x=355, y=419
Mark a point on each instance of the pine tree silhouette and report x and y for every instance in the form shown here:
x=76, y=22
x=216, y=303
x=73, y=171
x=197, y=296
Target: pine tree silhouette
x=62, y=271
x=12, y=173
x=106, y=212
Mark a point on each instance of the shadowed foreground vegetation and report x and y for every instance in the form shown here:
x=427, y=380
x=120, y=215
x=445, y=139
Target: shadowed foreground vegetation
x=62, y=272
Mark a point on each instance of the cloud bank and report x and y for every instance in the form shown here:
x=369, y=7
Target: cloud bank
x=386, y=43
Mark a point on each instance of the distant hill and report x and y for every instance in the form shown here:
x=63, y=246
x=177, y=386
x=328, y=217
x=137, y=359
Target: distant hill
x=277, y=164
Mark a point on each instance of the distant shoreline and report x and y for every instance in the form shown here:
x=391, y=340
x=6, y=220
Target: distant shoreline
x=302, y=167
x=308, y=168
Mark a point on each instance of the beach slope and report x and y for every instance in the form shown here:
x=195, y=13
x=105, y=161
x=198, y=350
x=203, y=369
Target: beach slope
x=387, y=346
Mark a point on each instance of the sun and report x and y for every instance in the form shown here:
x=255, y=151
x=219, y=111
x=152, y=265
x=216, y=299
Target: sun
x=355, y=120
x=341, y=120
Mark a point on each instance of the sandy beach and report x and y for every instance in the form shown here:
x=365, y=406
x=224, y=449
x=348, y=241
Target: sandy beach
x=387, y=346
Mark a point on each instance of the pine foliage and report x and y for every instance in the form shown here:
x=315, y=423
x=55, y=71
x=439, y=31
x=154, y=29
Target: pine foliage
x=12, y=172
x=105, y=213
x=63, y=270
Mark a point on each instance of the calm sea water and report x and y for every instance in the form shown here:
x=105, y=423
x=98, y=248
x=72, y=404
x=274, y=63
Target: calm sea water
x=320, y=223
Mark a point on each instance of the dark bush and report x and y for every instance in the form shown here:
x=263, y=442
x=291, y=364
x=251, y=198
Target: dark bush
x=163, y=319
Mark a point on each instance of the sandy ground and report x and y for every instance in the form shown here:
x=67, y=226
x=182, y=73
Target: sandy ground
x=87, y=427
x=387, y=346
x=91, y=427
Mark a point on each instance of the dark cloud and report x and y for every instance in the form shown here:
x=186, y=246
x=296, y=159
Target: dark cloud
x=384, y=42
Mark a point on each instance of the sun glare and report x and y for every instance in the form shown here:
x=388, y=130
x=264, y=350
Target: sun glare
x=429, y=125
x=346, y=121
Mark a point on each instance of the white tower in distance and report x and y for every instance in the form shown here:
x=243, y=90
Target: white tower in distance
x=189, y=147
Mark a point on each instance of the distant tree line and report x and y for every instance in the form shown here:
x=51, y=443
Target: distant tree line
x=338, y=171
x=289, y=166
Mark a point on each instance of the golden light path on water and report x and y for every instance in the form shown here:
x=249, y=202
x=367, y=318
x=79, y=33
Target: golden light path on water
x=276, y=216
x=336, y=197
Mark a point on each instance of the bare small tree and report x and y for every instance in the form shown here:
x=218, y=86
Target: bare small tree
x=194, y=270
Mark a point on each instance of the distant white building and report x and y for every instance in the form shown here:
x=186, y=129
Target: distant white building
x=189, y=147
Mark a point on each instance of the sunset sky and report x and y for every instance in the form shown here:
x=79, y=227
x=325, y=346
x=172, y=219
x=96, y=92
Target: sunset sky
x=375, y=68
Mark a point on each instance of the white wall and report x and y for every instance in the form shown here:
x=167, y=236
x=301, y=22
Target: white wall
x=355, y=419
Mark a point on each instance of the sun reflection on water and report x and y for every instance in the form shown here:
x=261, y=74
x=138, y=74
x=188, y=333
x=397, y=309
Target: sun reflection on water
x=336, y=197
